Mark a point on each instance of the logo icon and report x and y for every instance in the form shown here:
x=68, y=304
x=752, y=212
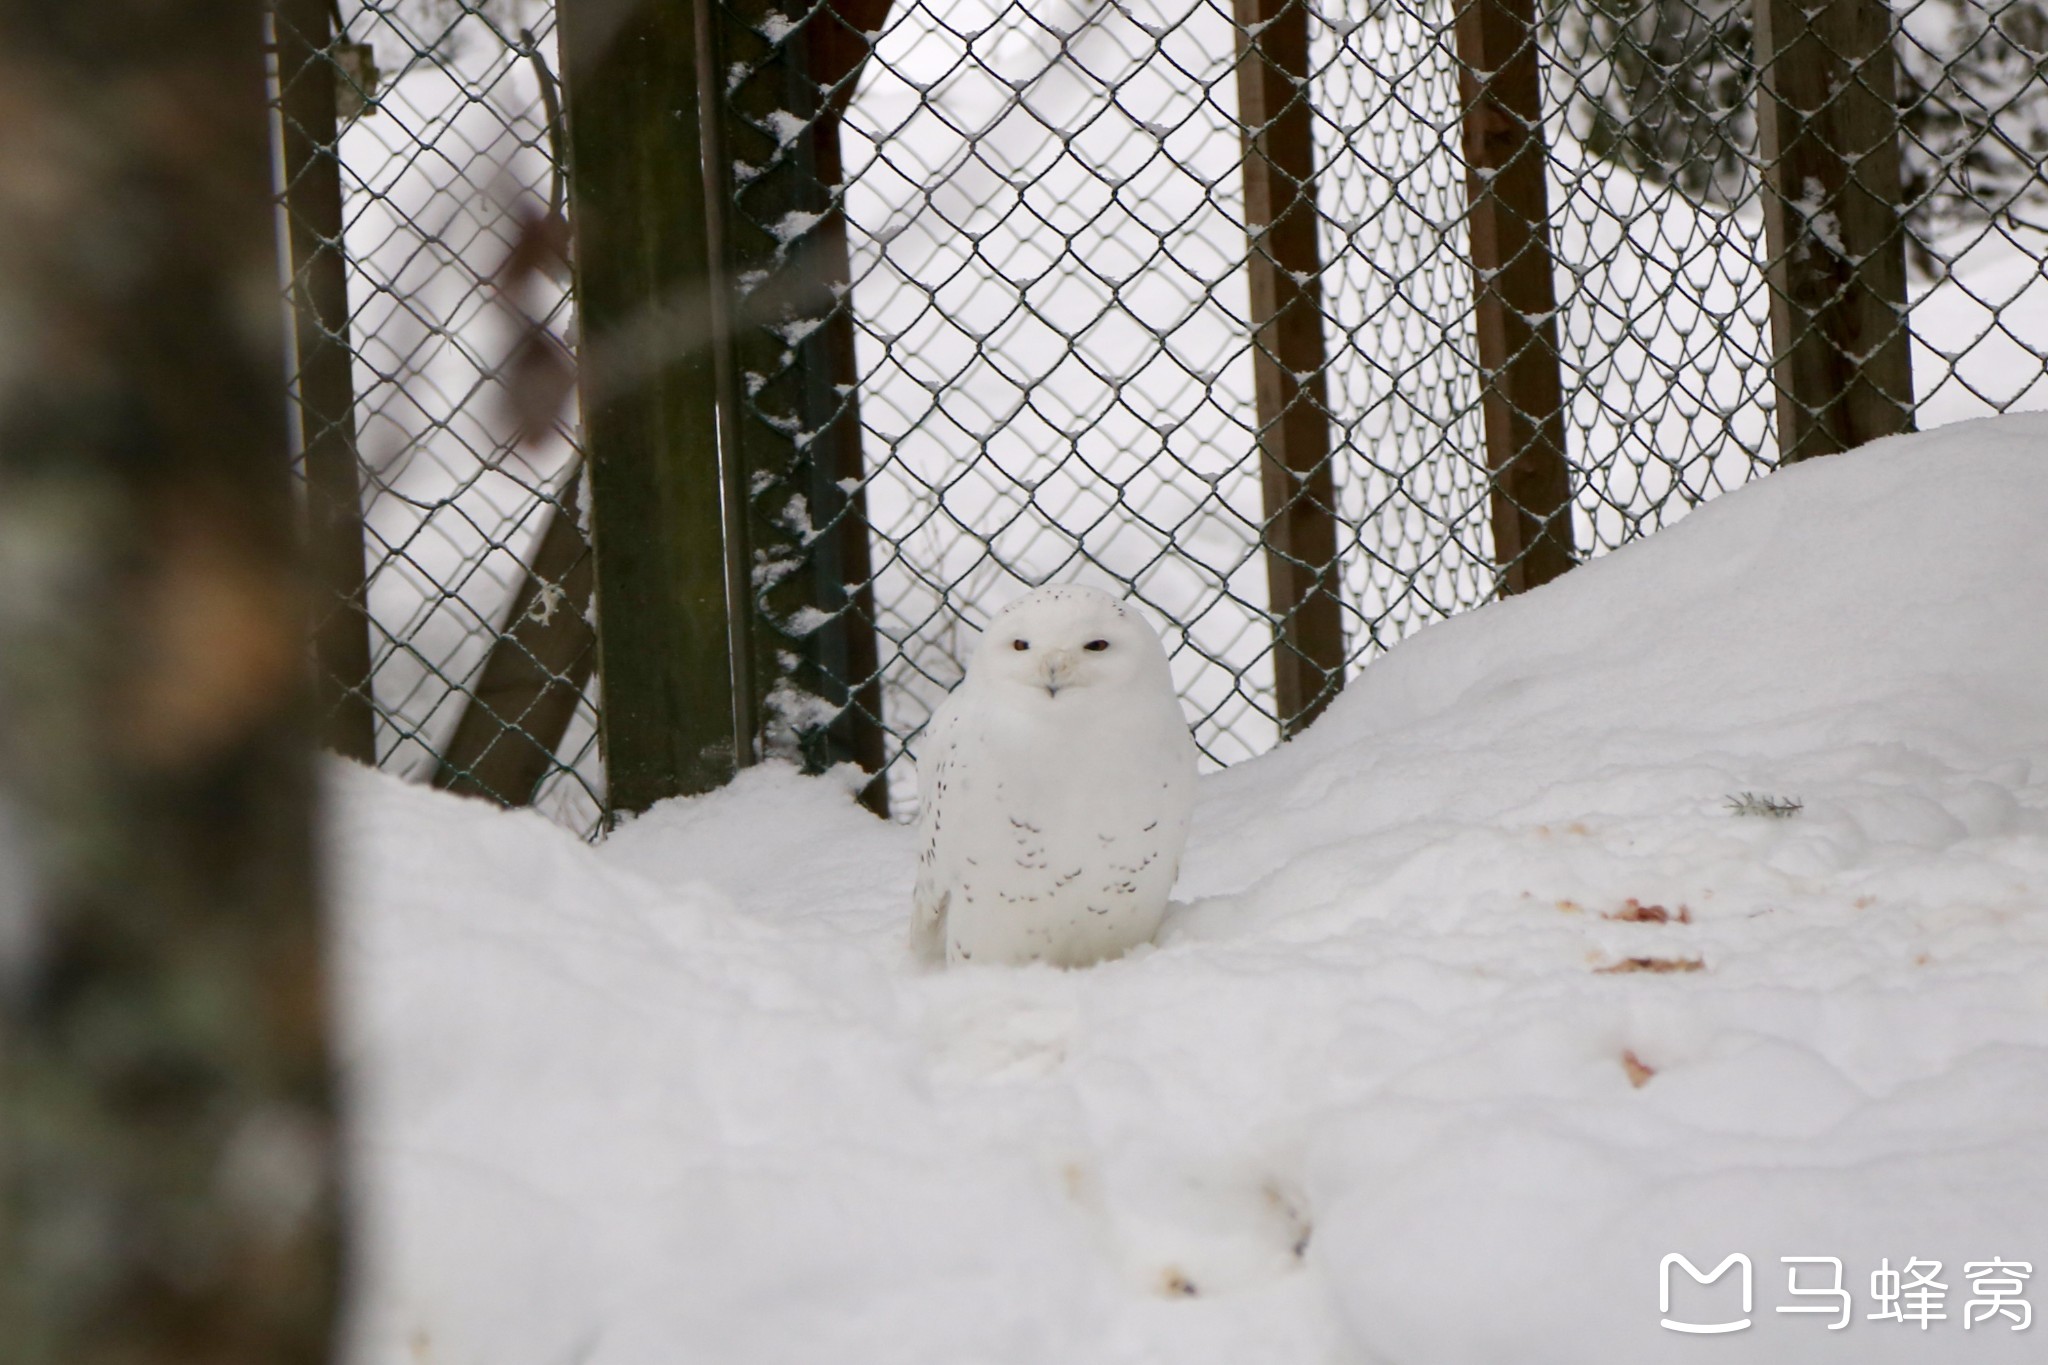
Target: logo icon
x=1703, y=1328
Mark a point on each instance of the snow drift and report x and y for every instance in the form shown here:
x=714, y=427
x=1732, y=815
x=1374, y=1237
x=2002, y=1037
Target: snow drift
x=1479, y=1002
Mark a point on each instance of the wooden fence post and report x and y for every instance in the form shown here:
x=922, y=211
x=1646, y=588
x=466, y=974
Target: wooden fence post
x=1284, y=270
x=839, y=47
x=644, y=287
x=789, y=380
x=1514, y=292
x=1828, y=130
x=168, y=1153
x=324, y=384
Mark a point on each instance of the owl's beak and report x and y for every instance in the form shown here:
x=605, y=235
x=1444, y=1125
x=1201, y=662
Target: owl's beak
x=1059, y=670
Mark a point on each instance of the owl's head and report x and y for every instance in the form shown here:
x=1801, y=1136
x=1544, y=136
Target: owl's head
x=1065, y=641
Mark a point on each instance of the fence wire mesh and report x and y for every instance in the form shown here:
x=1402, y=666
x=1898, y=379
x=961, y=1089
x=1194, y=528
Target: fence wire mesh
x=1063, y=339
x=438, y=120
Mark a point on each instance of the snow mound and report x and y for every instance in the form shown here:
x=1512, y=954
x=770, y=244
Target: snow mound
x=1481, y=1000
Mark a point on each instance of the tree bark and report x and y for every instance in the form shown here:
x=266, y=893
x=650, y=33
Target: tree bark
x=166, y=1154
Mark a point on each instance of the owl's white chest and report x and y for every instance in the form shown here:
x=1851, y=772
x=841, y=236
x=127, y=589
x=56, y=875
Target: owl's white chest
x=1055, y=835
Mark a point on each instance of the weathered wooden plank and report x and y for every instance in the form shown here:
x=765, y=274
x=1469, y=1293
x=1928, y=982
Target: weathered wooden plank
x=1284, y=268
x=647, y=385
x=1514, y=291
x=838, y=451
x=841, y=41
x=1828, y=130
x=323, y=383
x=505, y=741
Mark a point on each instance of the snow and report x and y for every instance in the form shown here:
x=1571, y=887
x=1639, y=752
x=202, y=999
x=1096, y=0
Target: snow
x=683, y=1096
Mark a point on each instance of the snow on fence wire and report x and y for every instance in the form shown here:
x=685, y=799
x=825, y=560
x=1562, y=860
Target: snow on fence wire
x=1304, y=324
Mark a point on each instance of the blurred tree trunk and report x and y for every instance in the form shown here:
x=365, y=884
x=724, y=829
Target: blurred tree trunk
x=166, y=1153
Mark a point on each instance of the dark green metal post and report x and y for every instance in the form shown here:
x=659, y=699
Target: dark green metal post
x=644, y=295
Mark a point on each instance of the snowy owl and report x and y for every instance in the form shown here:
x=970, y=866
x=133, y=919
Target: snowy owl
x=1055, y=787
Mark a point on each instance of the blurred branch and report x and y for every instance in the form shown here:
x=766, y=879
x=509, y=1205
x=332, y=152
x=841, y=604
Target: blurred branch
x=551, y=105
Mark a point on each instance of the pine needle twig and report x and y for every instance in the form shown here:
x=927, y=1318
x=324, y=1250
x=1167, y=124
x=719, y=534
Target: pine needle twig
x=1770, y=807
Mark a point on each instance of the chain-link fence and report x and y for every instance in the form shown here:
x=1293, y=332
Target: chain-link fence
x=1305, y=325
x=422, y=188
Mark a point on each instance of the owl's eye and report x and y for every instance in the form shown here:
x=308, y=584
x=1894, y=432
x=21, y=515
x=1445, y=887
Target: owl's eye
x=1097, y=645
x=1020, y=645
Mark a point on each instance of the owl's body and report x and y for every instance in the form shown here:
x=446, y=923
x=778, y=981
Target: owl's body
x=1056, y=783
